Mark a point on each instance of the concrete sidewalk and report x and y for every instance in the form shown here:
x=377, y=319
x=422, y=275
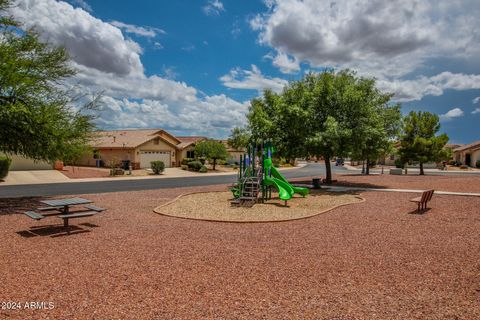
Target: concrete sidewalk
x=33, y=177
x=451, y=193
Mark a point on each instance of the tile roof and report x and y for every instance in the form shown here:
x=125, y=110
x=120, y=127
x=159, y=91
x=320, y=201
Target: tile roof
x=124, y=138
x=186, y=141
x=472, y=145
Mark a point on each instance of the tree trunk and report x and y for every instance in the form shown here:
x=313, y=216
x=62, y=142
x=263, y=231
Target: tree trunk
x=422, y=173
x=214, y=162
x=367, y=168
x=328, y=169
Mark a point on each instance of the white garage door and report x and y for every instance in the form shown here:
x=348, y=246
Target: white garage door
x=148, y=156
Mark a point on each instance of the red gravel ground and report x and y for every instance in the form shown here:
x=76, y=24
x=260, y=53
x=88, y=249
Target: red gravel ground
x=455, y=183
x=85, y=172
x=371, y=260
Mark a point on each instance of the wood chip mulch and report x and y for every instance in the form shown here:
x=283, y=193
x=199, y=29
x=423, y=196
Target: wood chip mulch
x=215, y=206
x=370, y=260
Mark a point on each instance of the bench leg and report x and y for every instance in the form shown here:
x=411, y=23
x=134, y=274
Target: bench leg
x=66, y=225
x=418, y=209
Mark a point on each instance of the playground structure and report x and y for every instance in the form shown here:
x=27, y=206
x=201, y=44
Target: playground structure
x=256, y=180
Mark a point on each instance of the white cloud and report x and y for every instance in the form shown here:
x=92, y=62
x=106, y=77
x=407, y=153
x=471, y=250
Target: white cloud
x=409, y=90
x=454, y=113
x=476, y=100
x=477, y=110
x=284, y=63
x=90, y=41
x=148, y=32
x=108, y=62
x=384, y=39
x=213, y=8
x=252, y=79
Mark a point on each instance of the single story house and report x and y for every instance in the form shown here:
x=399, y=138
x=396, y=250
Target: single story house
x=233, y=154
x=139, y=147
x=467, y=154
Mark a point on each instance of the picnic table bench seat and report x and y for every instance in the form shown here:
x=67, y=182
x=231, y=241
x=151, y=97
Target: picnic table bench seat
x=77, y=215
x=423, y=199
x=94, y=208
x=34, y=215
x=68, y=216
x=48, y=208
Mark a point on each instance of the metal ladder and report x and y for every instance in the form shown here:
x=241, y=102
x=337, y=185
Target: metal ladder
x=249, y=193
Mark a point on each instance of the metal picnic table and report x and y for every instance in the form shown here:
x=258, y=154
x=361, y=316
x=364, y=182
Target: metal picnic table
x=65, y=203
x=63, y=206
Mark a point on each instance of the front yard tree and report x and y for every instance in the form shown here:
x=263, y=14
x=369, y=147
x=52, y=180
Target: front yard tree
x=36, y=118
x=239, y=138
x=212, y=150
x=326, y=115
x=419, y=142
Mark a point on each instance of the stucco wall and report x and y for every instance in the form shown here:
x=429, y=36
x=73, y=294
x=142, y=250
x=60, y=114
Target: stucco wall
x=475, y=157
x=20, y=163
x=108, y=155
x=461, y=156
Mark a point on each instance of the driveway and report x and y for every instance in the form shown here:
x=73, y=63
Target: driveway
x=34, y=176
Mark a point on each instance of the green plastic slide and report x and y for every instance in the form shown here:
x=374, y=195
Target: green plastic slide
x=285, y=189
x=301, y=191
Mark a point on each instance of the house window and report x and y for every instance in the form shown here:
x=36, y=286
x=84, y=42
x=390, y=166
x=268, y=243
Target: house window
x=392, y=157
x=190, y=154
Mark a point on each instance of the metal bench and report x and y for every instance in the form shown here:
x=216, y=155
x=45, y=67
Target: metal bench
x=49, y=208
x=34, y=215
x=396, y=171
x=423, y=199
x=94, y=208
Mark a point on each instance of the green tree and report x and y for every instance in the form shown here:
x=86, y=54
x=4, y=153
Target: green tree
x=212, y=150
x=419, y=142
x=37, y=118
x=376, y=126
x=327, y=114
x=239, y=138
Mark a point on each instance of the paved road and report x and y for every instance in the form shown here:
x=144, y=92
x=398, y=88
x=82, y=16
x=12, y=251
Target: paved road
x=53, y=189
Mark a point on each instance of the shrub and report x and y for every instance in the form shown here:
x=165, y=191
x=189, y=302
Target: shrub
x=399, y=164
x=221, y=162
x=203, y=169
x=185, y=161
x=4, y=166
x=202, y=160
x=157, y=166
x=184, y=167
x=477, y=164
x=195, y=165
x=463, y=166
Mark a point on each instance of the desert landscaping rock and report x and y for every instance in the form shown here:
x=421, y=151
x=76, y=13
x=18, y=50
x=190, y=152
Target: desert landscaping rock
x=215, y=206
x=370, y=260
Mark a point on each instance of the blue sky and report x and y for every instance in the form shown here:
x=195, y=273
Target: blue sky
x=191, y=67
